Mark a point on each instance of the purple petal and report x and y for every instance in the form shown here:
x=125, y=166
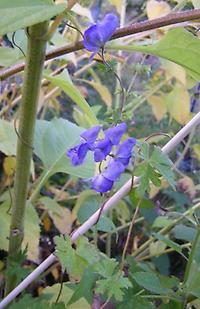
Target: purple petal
x=97, y=35
x=92, y=39
x=124, y=161
x=102, y=149
x=125, y=148
x=101, y=184
x=113, y=170
x=77, y=154
x=114, y=134
x=108, y=26
x=91, y=134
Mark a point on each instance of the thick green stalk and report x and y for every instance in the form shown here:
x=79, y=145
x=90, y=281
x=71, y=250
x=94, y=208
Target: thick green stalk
x=30, y=93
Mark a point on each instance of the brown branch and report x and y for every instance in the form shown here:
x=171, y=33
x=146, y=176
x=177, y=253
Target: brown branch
x=170, y=19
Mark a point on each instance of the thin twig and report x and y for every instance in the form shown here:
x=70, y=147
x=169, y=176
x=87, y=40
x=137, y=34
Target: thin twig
x=173, y=18
x=129, y=235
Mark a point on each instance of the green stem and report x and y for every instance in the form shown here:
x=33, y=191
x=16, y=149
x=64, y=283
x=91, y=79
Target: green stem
x=42, y=180
x=193, y=252
x=32, y=81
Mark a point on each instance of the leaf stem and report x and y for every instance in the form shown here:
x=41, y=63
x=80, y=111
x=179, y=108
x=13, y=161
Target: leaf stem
x=30, y=94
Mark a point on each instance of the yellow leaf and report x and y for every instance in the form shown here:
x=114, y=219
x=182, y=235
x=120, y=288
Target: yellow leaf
x=46, y=223
x=63, y=220
x=82, y=11
x=158, y=106
x=196, y=148
x=178, y=104
x=187, y=186
x=102, y=90
x=52, y=292
x=174, y=70
x=157, y=9
x=9, y=165
x=117, y=4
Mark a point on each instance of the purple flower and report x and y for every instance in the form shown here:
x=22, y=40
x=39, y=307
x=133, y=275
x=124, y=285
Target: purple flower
x=102, y=184
x=114, y=170
x=97, y=35
x=89, y=136
x=101, y=149
x=124, y=151
x=114, y=134
x=78, y=153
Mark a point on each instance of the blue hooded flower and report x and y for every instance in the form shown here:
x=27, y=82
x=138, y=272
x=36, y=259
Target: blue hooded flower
x=102, y=184
x=101, y=149
x=114, y=170
x=114, y=134
x=78, y=153
x=124, y=151
x=97, y=35
x=89, y=136
x=104, y=181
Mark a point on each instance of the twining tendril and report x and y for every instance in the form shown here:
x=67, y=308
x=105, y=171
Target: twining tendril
x=15, y=44
x=117, y=77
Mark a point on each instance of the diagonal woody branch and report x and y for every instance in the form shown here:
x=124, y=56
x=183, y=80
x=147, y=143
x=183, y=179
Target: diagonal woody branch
x=93, y=219
x=138, y=27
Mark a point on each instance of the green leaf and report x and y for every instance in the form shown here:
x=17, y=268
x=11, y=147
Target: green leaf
x=184, y=232
x=163, y=164
x=8, y=138
x=178, y=45
x=65, y=296
x=51, y=142
x=146, y=174
x=15, y=267
x=87, y=251
x=113, y=287
x=17, y=14
x=28, y=302
x=75, y=95
x=74, y=264
x=75, y=261
x=135, y=302
x=156, y=283
x=85, y=287
x=192, y=273
x=168, y=242
x=88, y=203
x=9, y=56
x=31, y=228
x=162, y=222
x=107, y=267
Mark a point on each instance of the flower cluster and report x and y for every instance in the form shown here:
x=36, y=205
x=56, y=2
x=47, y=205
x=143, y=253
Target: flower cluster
x=101, y=149
x=97, y=35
